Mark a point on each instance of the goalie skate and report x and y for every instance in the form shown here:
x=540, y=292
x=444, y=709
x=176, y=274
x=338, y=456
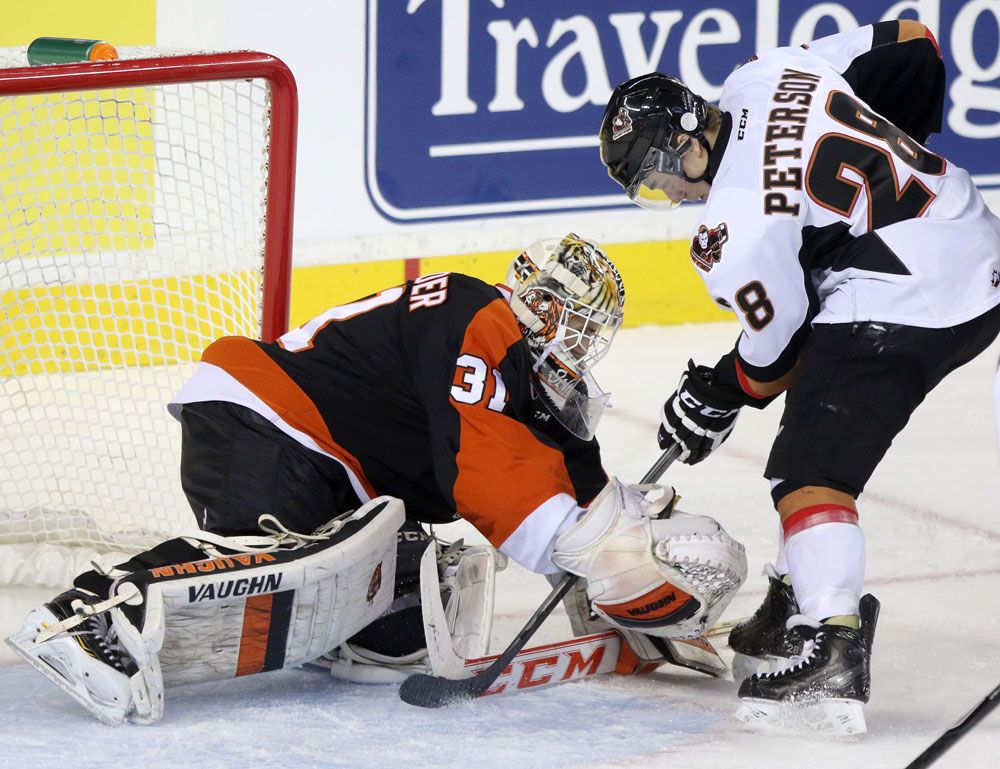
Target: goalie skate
x=87, y=663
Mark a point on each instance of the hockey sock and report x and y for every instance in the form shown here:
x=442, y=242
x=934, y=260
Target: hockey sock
x=780, y=561
x=826, y=561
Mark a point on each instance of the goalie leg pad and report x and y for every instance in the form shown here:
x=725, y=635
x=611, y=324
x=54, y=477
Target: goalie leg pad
x=451, y=612
x=461, y=629
x=247, y=613
x=239, y=612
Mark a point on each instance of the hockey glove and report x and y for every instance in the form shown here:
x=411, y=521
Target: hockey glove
x=699, y=416
x=669, y=577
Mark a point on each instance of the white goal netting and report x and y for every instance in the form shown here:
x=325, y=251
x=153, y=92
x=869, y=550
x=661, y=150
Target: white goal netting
x=132, y=234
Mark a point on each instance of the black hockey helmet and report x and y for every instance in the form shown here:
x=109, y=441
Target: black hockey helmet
x=641, y=127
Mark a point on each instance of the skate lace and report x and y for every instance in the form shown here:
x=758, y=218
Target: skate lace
x=809, y=646
x=104, y=637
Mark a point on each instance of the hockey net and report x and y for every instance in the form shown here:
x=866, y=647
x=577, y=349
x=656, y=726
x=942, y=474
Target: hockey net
x=146, y=211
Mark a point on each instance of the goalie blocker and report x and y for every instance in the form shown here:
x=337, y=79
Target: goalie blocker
x=254, y=604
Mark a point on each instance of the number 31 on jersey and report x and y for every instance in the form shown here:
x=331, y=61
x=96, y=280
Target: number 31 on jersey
x=471, y=374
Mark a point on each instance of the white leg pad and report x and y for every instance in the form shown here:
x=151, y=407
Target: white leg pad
x=461, y=630
x=253, y=612
x=241, y=612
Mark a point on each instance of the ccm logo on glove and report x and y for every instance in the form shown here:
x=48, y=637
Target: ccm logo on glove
x=699, y=415
x=707, y=411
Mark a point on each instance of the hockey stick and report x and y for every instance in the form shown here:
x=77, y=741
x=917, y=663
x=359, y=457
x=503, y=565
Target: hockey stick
x=427, y=691
x=571, y=660
x=950, y=737
x=561, y=662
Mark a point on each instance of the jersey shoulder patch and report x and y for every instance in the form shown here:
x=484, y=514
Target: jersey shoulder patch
x=706, y=245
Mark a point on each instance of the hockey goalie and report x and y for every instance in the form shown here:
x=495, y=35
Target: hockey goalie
x=312, y=464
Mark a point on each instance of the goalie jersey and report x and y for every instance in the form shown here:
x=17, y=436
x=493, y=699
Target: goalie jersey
x=826, y=208
x=423, y=392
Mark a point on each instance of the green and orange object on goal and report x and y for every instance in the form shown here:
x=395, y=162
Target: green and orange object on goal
x=68, y=50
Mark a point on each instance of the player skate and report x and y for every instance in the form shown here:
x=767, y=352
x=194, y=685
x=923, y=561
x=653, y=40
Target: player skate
x=824, y=686
x=762, y=640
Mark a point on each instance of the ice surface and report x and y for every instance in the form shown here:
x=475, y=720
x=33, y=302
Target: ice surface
x=930, y=515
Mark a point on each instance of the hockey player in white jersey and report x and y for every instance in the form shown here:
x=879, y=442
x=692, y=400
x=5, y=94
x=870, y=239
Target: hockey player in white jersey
x=863, y=268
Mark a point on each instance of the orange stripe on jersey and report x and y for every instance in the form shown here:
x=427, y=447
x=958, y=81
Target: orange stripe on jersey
x=253, y=641
x=242, y=359
x=491, y=332
x=915, y=30
x=504, y=471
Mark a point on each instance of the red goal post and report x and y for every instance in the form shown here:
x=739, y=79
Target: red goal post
x=146, y=210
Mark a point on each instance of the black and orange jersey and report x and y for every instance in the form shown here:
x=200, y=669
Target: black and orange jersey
x=423, y=392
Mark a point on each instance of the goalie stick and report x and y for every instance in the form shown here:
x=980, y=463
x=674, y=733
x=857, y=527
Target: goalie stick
x=592, y=655
x=428, y=691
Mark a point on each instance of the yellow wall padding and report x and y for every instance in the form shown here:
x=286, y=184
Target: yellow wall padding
x=661, y=284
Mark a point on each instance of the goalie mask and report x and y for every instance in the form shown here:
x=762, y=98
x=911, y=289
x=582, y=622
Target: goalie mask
x=649, y=125
x=568, y=298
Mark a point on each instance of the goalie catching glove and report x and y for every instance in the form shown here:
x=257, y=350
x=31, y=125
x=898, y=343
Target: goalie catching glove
x=661, y=574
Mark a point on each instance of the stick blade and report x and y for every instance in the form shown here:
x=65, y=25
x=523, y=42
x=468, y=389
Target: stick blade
x=426, y=691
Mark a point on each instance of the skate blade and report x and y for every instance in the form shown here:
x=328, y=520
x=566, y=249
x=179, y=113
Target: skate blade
x=829, y=717
x=24, y=646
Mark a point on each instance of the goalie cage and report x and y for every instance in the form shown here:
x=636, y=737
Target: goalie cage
x=147, y=210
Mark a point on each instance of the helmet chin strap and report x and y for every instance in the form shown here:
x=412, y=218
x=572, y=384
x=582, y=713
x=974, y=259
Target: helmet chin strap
x=540, y=360
x=544, y=355
x=708, y=175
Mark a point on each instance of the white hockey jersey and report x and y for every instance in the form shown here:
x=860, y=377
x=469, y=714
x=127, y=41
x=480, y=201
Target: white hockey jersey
x=822, y=211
